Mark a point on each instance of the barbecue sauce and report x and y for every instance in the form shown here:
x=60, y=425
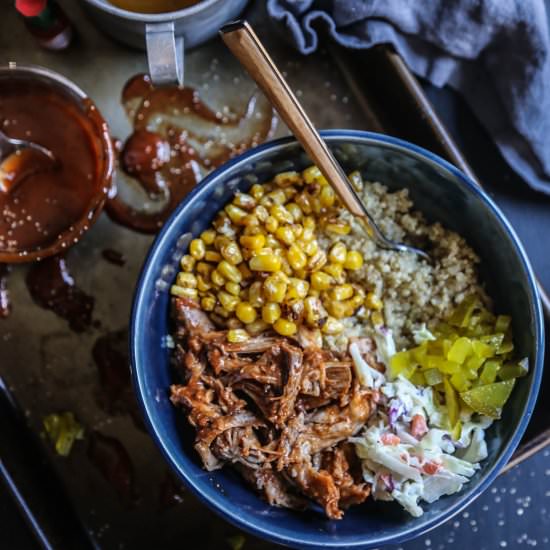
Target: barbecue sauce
x=49, y=205
x=176, y=139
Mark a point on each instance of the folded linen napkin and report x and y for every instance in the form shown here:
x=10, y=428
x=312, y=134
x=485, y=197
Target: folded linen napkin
x=495, y=52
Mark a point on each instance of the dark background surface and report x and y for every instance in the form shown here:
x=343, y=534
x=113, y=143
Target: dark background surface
x=514, y=512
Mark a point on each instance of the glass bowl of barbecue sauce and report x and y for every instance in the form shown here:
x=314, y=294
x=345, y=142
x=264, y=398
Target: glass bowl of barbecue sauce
x=49, y=206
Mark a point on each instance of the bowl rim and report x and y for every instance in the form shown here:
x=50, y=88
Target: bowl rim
x=215, y=501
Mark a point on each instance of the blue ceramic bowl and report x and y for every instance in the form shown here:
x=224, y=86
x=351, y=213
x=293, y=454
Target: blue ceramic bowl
x=443, y=194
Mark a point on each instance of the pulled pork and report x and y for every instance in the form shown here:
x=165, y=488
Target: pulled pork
x=279, y=410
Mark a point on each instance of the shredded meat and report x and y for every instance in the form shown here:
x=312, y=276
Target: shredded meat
x=279, y=410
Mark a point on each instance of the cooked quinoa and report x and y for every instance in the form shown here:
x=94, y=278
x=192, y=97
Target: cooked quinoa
x=413, y=291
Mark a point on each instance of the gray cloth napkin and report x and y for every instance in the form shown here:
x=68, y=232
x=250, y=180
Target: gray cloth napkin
x=495, y=52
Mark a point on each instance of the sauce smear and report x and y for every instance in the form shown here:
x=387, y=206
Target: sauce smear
x=112, y=460
x=52, y=287
x=176, y=139
x=113, y=256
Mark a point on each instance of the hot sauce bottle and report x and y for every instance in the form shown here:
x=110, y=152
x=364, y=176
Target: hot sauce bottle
x=47, y=22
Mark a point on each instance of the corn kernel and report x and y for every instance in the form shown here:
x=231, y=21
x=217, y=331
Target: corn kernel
x=314, y=175
x=327, y=196
x=274, y=289
x=281, y=214
x=321, y=280
x=245, y=312
x=354, y=260
x=255, y=294
x=356, y=301
x=304, y=202
x=296, y=258
x=257, y=191
x=332, y=326
x=297, y=288
x=251, y=224
x=220, y=241
x=245, y=272
x=338, y=253
x=272, y=198
x=229, y=271
x=372, y=301
x=244, y=201
x=285, y=234
x=232, y=253
x=208, y=236
x=294, y=310
x=237, y=335
x=187, y=262
x=310, y=248
x=212, y=256
x=233, y=324
x=285, y=327
x=221, y=312
x=271, y=312
x=204, y=269
x=208, y=303
x=286, y=179
x=290, y=192
x=271, y=224
x=257, y=327
x=338, y=228
x=261, y=212
x=377, y=318
x=197, y=249
x=334, y=270
x=183, y=292
x=316, y=205
x=228, y=301
x=309, y=223
x=202, y=284
x=341, y=292
x=187, y=280
x=217, y=278
x=233, y=288
x=223, y=225
x=285, y=267
x=337, y=309
x=265, y=262
x=317, y=261
x=253, y=242
x=314, y=311
x=295, y=211
x=235, y=214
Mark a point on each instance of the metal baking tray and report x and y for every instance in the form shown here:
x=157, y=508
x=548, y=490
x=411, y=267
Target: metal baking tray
x=114, y=490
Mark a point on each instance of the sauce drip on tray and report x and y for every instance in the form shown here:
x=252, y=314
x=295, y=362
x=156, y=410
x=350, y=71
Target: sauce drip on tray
x=176, y=139
x=113, y=256
x=115, y=395
x=52, y=287
x=111, y=458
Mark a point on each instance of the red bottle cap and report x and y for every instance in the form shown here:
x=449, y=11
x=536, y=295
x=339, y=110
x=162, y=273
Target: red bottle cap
x=30, y=8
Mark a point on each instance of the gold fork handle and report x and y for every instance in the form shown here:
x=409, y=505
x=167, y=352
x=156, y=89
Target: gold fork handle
x=243, y=42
